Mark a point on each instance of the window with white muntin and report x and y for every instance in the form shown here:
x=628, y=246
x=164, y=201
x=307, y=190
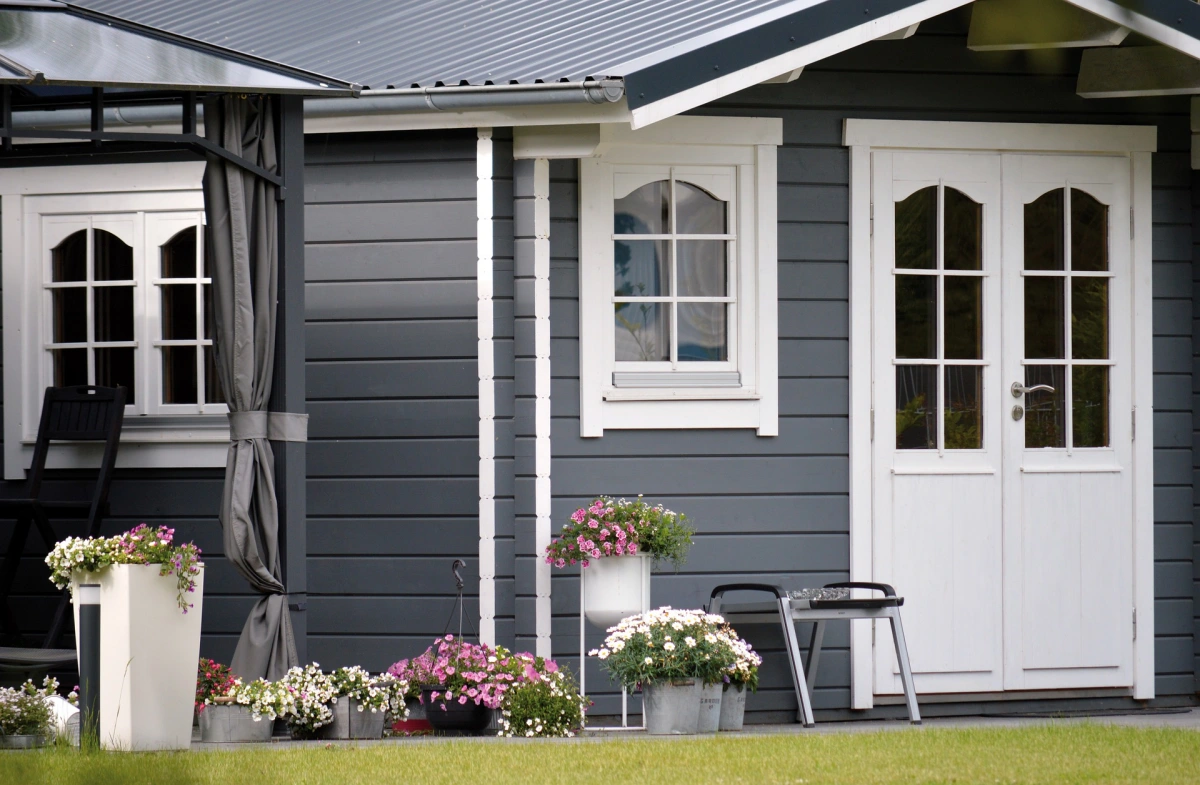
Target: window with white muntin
x=104, y=283
x=678, y=277
x=674, y=277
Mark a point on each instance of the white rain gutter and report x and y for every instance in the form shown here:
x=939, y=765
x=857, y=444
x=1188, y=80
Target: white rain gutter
x=370, y=102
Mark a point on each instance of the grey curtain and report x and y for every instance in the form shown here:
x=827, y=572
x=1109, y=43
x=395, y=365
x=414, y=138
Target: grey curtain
x=243, y=256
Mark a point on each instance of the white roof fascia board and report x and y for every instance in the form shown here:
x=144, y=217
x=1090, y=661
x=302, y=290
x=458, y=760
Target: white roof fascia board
x=1115, y=12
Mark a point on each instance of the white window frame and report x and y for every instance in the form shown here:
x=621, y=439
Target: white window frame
x=153, y=435
x=742, y=392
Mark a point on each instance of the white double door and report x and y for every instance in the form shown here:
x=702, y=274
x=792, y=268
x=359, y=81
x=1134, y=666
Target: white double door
x=1002, y=475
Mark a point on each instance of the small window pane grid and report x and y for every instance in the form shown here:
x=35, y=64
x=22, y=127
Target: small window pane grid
x=1066, y=288
x=673, y=265
x=184, y=343
x=939, y=321
x=98, y=319
x=90, y=303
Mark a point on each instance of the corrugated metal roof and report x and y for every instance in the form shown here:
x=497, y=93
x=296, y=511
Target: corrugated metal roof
x=429, y=42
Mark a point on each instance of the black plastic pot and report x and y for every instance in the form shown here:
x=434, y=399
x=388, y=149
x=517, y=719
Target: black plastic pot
x=447, y=715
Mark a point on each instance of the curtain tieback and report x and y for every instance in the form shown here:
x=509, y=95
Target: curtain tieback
x=276, y=426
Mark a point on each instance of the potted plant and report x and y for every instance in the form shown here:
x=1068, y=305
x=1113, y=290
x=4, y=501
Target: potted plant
x=151, y=594
x=360, y=704
x=466, y=689
x=213, y=680
x=545, y=702
x=741, y=676
x=616, y=541
x=671, y=654
x=414, y=674
x=306, y=700
x=25, y=715
x=238, y=715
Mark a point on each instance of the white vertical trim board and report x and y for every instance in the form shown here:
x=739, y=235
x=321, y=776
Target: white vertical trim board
x=541, y=341
x=487, y=388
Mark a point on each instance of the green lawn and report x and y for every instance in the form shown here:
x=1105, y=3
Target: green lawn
x=1042, y=754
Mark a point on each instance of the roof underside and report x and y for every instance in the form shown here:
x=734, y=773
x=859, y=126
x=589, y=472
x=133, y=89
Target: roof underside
x=426, y=43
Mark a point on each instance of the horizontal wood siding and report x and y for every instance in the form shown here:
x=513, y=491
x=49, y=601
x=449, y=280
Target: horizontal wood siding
x=392, y=391
x=776, y=509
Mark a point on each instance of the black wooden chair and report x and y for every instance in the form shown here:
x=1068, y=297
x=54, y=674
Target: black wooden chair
x=69, y=414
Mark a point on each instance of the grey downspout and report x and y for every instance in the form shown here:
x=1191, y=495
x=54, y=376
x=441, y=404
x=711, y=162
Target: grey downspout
x=371, y=102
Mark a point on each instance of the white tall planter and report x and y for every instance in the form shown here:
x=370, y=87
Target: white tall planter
x=616, y=587
x=149, y=650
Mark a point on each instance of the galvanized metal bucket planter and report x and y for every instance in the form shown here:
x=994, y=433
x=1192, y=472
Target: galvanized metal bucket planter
x=617, y=586
x=733, y=706
x=710, y=708
x=22, y=742
x=350, y=723
x=672, y=708
x=229, y=723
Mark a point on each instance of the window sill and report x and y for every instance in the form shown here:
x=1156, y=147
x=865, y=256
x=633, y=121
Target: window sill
x=659, y=394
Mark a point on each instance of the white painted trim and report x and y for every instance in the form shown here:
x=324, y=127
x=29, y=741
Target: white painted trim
x=484, y=241
x=516, y=117
x=555, y=141
x=999, y=137
x=1141, y=264
x=541, y=386
x=1135, y=141
x=744, y=151
x=797, y=58
x=861, y=679
x=23, y=194
x=1115, y=12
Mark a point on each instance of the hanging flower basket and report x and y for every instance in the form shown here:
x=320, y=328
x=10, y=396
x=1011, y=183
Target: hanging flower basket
x=452, y=714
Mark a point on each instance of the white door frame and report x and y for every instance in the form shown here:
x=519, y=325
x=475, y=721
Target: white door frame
x=1135, y=142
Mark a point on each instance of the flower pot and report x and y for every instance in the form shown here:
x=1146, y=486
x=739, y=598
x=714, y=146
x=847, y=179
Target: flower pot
x=709, y=719
x=148, y=654
x=230, y=723
x=446, y=715
x=672, y=708
x=733, y=706
x=22, y=742
x=350, y=723
x=617, y=586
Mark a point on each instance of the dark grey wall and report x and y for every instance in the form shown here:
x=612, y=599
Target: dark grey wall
x=392, y=391
x=776, y=509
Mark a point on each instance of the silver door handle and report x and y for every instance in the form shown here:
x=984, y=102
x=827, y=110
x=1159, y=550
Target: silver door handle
x=1019, y=389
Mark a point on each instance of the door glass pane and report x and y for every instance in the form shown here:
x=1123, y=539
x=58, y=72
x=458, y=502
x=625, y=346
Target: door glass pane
x=702, y=332
x=916, y=230
x=1045, y=412
x=179, y=255
x=179, y=374
x=68, y=260
x=697, y=211
x=643, y=331
x=212, y=383
x=963, y=227
x=1044, y=232
x=701, y=267
x=70, y=367
x=70, y=315
x=916, y=407
x=113, y=313
x=1089, y=232
x=644, y=211
x=178, y=312
x=916, y=316
x=1044, y=323
x=207, y=294
x=114, y=367
x=963, y=418
x=964, y=317
x=642, y=268
x=114, y=259
x=1089, y=318
x=1089, y=406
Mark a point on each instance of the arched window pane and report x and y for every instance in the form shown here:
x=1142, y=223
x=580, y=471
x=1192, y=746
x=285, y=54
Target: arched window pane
x=645, y=211
x=1089, y=233
x=698, y=212
x=179, y=255
x=68, y=260
x=114, y=259
x=963, y=222
x=916, y=230
x=1044, y=232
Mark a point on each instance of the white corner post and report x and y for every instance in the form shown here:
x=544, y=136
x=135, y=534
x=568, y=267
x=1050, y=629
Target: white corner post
x=541, y=457
x=487, y=389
